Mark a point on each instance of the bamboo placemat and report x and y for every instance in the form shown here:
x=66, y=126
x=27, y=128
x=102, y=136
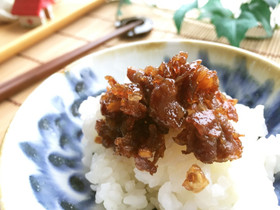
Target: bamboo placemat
x=99, y=22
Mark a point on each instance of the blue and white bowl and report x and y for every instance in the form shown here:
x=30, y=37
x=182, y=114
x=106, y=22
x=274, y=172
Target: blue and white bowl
x=41, y=155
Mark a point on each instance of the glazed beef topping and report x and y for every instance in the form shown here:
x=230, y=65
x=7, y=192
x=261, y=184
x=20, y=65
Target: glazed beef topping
x=176, y=95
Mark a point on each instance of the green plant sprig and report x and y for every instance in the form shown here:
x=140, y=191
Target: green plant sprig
x=226, y=25
x=121, y=3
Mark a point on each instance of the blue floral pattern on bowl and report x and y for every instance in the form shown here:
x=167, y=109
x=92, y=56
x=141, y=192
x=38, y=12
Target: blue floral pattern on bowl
x=62, y=130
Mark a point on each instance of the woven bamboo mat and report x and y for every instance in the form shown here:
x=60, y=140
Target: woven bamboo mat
x=100, y=21
x=198, y=30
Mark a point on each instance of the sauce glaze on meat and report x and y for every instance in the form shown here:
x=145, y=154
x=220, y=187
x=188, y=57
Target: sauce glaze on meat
x=176, y=95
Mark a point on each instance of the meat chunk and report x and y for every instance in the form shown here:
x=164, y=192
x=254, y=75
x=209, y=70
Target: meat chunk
x=176, y=95
x=195, y=180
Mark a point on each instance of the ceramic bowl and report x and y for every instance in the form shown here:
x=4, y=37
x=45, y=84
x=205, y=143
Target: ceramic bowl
x=41, y=155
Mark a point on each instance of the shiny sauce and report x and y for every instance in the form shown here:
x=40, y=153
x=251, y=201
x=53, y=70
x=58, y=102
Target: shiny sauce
x=175, y=95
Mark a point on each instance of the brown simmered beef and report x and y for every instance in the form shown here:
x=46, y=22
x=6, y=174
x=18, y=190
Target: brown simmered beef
x=176, y=95
x=195, y=180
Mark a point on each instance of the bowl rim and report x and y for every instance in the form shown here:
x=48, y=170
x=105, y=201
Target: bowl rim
x=237, y=50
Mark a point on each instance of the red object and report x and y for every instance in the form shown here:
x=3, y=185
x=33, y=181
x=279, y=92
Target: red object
x=30, y=7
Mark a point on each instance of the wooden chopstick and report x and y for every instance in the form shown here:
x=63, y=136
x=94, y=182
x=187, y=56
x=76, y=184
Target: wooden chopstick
x=10, y=87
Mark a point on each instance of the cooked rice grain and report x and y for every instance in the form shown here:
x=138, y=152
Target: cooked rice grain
x=246, y=183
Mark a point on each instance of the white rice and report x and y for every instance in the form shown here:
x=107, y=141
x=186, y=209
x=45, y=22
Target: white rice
x=246, y=183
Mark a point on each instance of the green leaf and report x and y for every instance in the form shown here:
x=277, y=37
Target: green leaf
x=234, y=29
x=214, y=8
x=272, y=3
x=261, y=12
x=121, y=3
x=181, y=12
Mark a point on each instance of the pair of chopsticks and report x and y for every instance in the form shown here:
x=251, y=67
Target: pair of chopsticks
x=9, y=88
